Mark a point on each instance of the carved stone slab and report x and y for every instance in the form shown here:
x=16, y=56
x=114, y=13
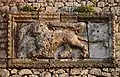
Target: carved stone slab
x=61, y=40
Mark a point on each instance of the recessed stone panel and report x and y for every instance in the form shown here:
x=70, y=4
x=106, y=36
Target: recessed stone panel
x=99, y=50
x=98, y=31
x=61, y=40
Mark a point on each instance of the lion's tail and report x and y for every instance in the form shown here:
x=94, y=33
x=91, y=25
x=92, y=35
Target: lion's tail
x=82, y=38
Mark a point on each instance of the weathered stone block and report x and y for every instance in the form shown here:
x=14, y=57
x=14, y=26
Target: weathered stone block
x=118, y=42
x=98, y=50
x=69, y=17
x=43, y=4
x=14, y=71
x=91, y=75
x=59, y=71
x=3, y=40
x=3, y=25
x=3, y=45
x=115, y=74
x=71, y=0
x=84, y=76
x=47, y=17
x=4, y=73
x=15, y=76
x=46, y=74
x=63, y=1
x=3, y=33
x=59, y=4
x=36, y=5
x=78, y=1
x=14, y=9
x=97, y=9
x=105, y=69
x=36, y=71
x=3, y=54
x=41, y=0
x=51, y=0
x=69, y=4
x=5, y=8
x=64, y=75
x=117, y=0
x=24, y=71
x=106, y=74
x=67, y=9
x=77, y=4
x=101, y=4
x=50, y=9
x=90, y=3
x=55, y=75
x=75, y=71
x=118, y=35
x=1, y=4
x=84, y=72
x=95, y=71
x=98, y=31
x=33, y=76
x=115, y=10
x=31, y=0
x=105, y=9
x=50, y=4
x=110, y=1
x=3, y=64
x=19, y=1
x=83, y=2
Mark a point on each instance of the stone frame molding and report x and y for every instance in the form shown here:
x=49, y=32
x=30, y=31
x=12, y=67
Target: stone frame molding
x=60, y=17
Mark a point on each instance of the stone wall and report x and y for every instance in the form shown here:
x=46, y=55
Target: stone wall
x=62, y=72
x=101, y=6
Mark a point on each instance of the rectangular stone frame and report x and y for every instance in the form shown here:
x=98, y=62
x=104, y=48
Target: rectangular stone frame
x=52, y=63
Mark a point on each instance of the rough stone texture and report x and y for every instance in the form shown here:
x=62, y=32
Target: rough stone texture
x=91, y=75
x=106, y=74
x=14, y=9
x=51, y=41
x=14, y=71
x=77, y=4
x=50, y=9
x=5, y=8
x=98, y=9
x=84, y=72
x=76, y=71
x=31, y=0
x=111, y=5
x=117, y=0
x=95, y=71
x=24, y=71
x=59, y=71
x=115, y=10
x=69, y=4
x=101, y=4
x=46, y=74
x=59, y=4
x=4, y=73
x=90, y=3
x=98, y=32
x=64, y=75
x=15, y=76
x=105, y=69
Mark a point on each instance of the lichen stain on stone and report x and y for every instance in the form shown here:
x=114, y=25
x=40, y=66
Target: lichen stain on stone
x=98, y=34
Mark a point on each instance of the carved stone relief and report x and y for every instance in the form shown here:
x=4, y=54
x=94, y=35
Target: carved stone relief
x=39, y=40
x=70, y=41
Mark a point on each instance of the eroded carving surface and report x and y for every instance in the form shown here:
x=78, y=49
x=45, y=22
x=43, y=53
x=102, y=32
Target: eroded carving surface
x=98, y=34
x=36, y=39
